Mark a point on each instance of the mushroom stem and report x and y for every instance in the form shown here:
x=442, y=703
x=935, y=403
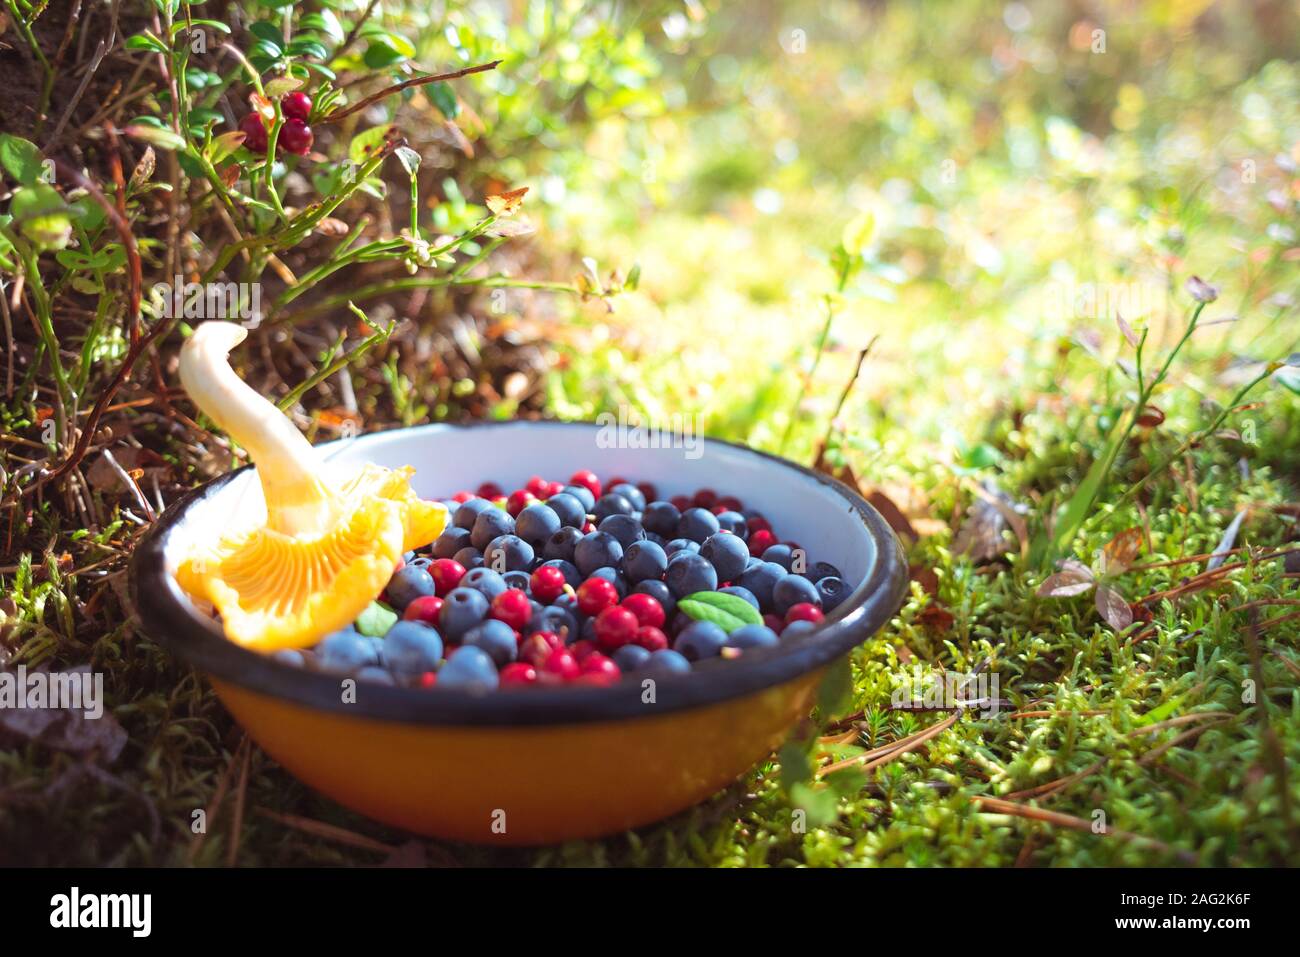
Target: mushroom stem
x=297, y=500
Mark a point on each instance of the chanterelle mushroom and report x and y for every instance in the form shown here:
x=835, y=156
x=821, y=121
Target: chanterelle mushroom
x=328, y=546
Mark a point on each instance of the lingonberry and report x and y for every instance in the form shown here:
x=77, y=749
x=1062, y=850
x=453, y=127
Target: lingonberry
x=587, y=479
x=519, y=500
x=446, y=574
x=425, y=609
x=581, y=649
x=538, y=646
x=296, y=137
x=427, y=680
x=760, y=541
x=595, y=595
x=597, y=669
x=705, y=498
x=647, y=610
x=537, y=486
x=489, y=490
x=560, y=666
x=804, y=611
x=296, y=105
x=547, y=583
x=615, y=627
x=650, y=638
x=518, y=673
x=513, y=607
x=254, y=131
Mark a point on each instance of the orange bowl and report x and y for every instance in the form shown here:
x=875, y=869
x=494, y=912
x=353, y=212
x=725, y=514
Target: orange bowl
x=536, y=765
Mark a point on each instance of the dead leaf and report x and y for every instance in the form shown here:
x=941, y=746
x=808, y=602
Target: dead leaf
x=1127, y=330
x=1227, y=542
x=503, y=204
x=937, y=618
x=892, y=514
x=143, y=169
x=329, y=226
x=926, y=577
x=511, y=228
x=1121, y=551
x=1114, y=607
x=1150, y=417
x=1074, y=578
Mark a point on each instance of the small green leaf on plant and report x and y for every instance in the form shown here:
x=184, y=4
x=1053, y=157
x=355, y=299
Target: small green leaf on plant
x=21, y=159
x=375, y=621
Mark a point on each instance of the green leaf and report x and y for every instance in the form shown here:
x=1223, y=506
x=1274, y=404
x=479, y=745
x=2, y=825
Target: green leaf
x=1289, y=377
x=366, y=143
x=307, y=47
x=375, y=621
x=857, y=234
x=728, y=612
x=326, y=22
x=265, y=50
x=410, y=160
x=146, y=41
x=267, y=31
x=21, y=159
x=836, y=692
x=386, y=49
x=42, y=216
x=444, y=98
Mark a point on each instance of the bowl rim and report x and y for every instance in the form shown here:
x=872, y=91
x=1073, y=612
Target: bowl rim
x=169, y=618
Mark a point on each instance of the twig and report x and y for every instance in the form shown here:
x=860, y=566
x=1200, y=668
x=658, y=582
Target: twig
x=406, y=85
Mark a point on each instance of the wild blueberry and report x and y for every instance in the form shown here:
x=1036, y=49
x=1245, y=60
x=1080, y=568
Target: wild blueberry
x=735, y=523
x=469, y=510
x=688, y=573
x=635, y=497
x=760, y=580
x=408, y=584
x=701, y=639
x=741, y=592
x=496, y=638
x=608, y=505
x=791, y=590
x=643, y=561
x=781, y=554
x=291, y=657
x=665, y=664
x=489, y=525
x=517, y=579
x=412, y=648
x=697, y=524
x=462, y=609
x=797, y=628
x=630, y=657
x=680, y=545
x=469, y=557
x=508, y=553
x=819, y=570
x=537, y=523
x=660, y=593
x=568, y=509
x=596, y=550
x=661, y=518
x=554, y=619
x=484, y=580
x=583, y=495
x=623, y=527
x=570, y=571
x=562, y=544
x=376, y=676
x=469, y=669
x=614, y=577
x=752, y=636
x=727, y=553
x=832, y=590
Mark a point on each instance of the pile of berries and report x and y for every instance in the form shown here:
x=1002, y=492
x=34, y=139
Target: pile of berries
x=295, y=135
x=579, y=583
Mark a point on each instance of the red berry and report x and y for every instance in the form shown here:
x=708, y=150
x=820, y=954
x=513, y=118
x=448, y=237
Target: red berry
x=296, y=105
x=588, y=528
x=519, y=673
x=581, y=649
x=513, y=607
x=600, y=670
x=428, y=679
x=761, y=541
x=553, y=489
x=774, y=622
x=705, y=498
x=804, y=611
x=616, y=480
x=538, y=486
x=718, y=509
x=680, y=502
x=254, y=131
x=587, y=479
x=425, y=609
x=462, y=496
x=559, y=666
x=595, y=595
x=647, y=609
x=757, y=523
x=446, y=574
x=651, y=638
x=731, y=503
x=649, y=491
x=547, y=584
x=518, y=501
x=615, y=627
x=538, y=646
x=489, y=490
x=296, y=137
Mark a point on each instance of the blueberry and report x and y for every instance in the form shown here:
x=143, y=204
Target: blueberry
x=469, y=510
x=376, y=676
x=661, y=518
x=753, y=562
x=567, y=509
x=658, y=591
x=569, y=570
x=469, y=557
x=623, y=527
x=517, y=579
x=568, y=602
x=727, y=553
x=791, y=590
x=735, y=523
x=819, y=570
x=630, y=492
x=656, y=538
x=562, y=544
x=680, y=545
x=489, y=525
x=484, y=580
x=596, y=550
x=555, y=619
x=832, y=591
x=452, y=540
x=419, y=561
x=701, y=639
x=469, y=669
x=679, y=623
x=291, y=657
x=752, y=636
x=614, y=577
x=537, y=523
x=608, y=505
x=697, y=524
x=797, y=628
x=496, y=638
x=408, y=584
x=412, y=648
x=760, y=580
x=583, y=495
x=508, y=553
x=781, y=554
x=630, y=658
x=688, y=573
x=587, y=630
x=664, y=664
x=462, y=609
x=741, y=592
x=644, y=561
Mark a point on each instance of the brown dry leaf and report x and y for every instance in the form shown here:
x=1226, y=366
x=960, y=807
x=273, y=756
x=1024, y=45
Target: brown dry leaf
x=892, y=514
x=1120, y=552
x=936, y=618
x=143, y=169
x=503, y=204
x=926, y=577
x=1127, y=330
x=1151, y=417
x=1114, y=607
x=329, y=226
x=459, y=138
x=1074, y=578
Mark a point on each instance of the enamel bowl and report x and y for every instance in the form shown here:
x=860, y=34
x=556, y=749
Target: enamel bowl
x=535, y=765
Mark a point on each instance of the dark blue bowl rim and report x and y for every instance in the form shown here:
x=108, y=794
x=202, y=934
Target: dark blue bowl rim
x=169, y=618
